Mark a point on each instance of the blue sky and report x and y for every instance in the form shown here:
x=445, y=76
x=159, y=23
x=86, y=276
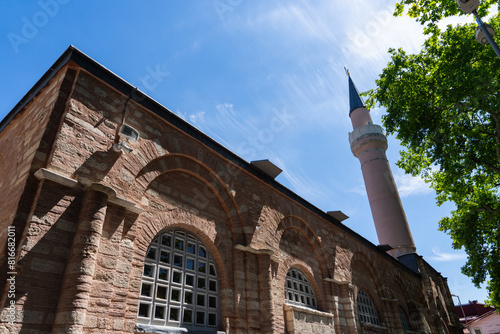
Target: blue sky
x=264, y=78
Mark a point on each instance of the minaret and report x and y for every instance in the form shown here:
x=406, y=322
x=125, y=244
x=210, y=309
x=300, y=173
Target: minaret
x=368, y=144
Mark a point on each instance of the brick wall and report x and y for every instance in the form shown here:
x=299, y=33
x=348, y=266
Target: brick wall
x=24, y=145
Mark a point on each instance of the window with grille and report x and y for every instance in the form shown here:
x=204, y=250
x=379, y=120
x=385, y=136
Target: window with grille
x=366, y=309
x=403, y=319
x=179, y=285
x=298, y=290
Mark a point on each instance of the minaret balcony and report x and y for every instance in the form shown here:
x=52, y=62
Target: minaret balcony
x=367, y=134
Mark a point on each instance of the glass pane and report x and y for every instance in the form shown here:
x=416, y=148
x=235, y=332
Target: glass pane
x=177, y=277
x=188, y=297
x=144, y=310
x=202, y=252
x=151, y=253
x=178, y=260
x=202, y=283
x=175, y=296
x=212, y=319
x=191, y=248
x=188, y=316
x=148, y=270
x=212, y=270
x=163, y=274
x=160, y=312
x=212, y=286
x=190, y=264
x=146, y=290
x=200, y=299
x=200, y=318
x=166, y=240
x=161, y=292
x=212, y=301
x=202, y=267
x=179, y=244
x=164, y=257
x=174, y=314
x=189, y=280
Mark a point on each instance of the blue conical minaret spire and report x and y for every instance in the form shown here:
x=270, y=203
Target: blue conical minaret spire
x=355, y=100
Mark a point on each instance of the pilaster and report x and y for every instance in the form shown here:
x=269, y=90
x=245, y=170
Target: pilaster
x=346, y=308
x=77, y=283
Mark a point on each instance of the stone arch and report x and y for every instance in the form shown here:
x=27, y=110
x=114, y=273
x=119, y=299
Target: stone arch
x=362, y=259
x=315, y=272
x=294, y=222
x=214, y=186
x=399, y=288
x=369, y=281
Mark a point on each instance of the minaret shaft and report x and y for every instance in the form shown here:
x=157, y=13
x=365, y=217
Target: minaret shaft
x=368, y=144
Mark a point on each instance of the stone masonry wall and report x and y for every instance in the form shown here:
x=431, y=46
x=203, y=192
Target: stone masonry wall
x=24, y=145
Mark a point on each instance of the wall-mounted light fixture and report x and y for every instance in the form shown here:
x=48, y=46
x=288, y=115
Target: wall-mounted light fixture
x=127, y=135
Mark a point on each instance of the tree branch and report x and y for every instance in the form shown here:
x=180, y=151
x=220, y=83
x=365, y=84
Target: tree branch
x=487, y=165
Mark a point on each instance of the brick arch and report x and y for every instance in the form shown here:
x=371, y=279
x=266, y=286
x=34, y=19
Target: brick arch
x=398, y=282
x=403, y=303
x=294, y=222
x=365, y=261
x=213, y=185
x=369, y=271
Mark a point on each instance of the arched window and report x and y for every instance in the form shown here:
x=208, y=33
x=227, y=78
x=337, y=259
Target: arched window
x=298, y=290
x=366, y=309
x=179, y=285
x=403, y=319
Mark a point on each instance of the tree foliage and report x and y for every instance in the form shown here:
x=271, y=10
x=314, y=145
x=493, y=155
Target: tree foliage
x=444, y=105
x=430, y=12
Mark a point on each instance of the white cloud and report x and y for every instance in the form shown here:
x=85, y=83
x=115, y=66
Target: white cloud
x=409, y=186
x=447, y=257
x=197, y=118
x=294, y=21
x=305, y=186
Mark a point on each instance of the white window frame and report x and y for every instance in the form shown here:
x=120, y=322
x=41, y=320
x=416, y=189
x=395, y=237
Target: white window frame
x=366, y=309
x=298, y=290
x=180, y=285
